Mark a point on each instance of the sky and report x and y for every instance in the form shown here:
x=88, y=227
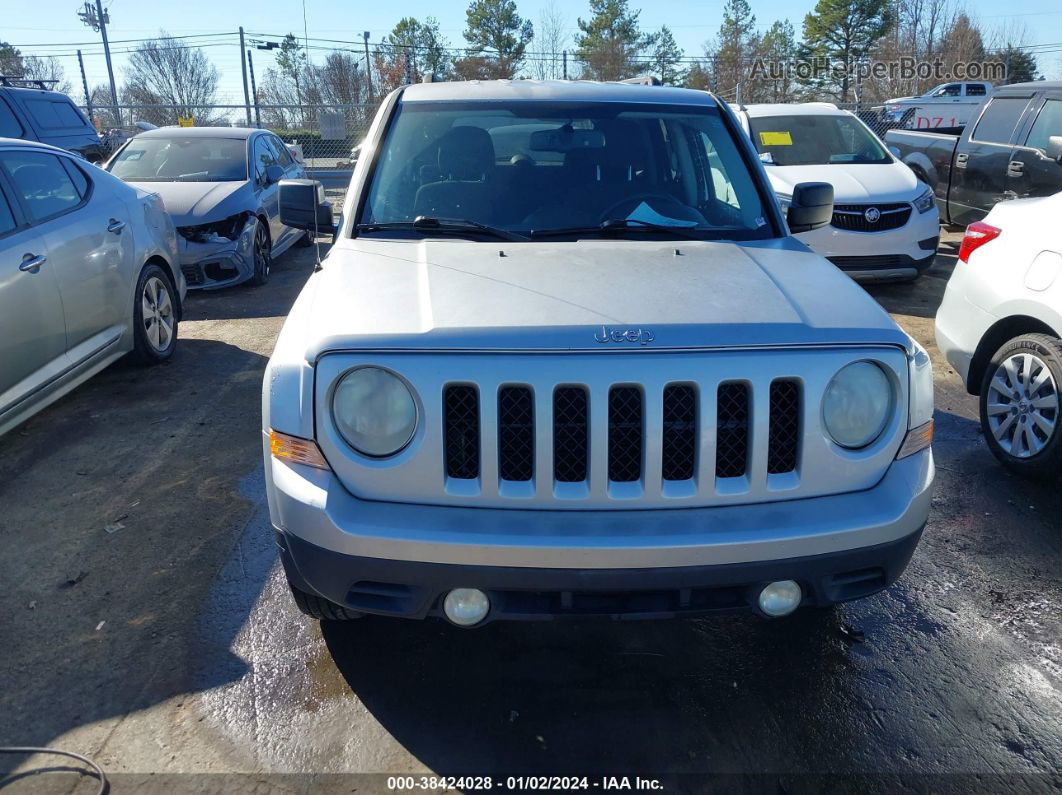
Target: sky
x=47, y=27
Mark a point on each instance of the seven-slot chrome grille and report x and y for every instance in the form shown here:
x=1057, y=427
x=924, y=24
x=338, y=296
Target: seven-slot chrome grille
x=625, y=432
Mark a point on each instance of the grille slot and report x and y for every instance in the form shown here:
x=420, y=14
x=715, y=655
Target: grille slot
x=624, y=434
x=732, y=426
x=570, y=436
x=461, y=428
x=680, y=432
x=783, y=441
x=516, y=433
x=851, y=217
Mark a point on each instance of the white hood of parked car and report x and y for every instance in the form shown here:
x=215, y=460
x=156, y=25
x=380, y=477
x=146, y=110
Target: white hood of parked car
x=464, y=295
x=857, y=183
x=191, y=203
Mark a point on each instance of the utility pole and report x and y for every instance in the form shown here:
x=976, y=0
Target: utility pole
x=254, y=89
x=565, y=57
x=243, y=70
x=84, y=84
x=368, y=71
x=97, y=19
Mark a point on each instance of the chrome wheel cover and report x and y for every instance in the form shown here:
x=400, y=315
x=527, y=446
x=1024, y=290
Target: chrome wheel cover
x=1022, y=405
x=156, y=308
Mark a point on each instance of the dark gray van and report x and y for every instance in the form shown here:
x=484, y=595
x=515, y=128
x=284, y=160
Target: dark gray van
x=50, y=117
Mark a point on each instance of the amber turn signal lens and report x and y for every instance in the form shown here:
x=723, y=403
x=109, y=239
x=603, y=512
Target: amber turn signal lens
x=296, y=450
x=917, y=439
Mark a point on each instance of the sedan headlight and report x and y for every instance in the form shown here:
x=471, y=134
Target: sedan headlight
x=374, y=411
x=857, y=404
x=924, y=202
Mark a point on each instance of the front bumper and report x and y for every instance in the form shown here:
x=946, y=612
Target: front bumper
x=220, y=263
x=332, y=541
x=899, y=253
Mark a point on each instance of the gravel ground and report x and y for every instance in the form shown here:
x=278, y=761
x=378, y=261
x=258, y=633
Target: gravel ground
x=144, y=621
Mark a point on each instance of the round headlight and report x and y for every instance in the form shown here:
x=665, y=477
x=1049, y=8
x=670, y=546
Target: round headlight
x=374, y=411
x=857, y=404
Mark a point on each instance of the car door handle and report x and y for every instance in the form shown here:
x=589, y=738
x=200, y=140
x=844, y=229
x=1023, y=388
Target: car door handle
x=116, y=226
x=31, y=263
x=960, y=160
x=1015, y=168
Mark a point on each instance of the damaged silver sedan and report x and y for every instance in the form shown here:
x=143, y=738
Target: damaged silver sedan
x=220, y=187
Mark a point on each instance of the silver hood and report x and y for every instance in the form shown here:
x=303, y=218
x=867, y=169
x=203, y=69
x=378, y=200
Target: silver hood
x=191, y=203
x=466, y=295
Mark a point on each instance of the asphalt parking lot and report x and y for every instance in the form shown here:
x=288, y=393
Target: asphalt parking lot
x=144, y=621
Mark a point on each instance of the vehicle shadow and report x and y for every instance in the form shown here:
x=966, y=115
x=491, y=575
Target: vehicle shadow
x=922, y=297
x=592, y=697
x=121, y=504
x=288, y=275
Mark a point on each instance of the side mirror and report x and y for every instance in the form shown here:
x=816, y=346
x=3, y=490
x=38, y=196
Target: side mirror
x=273, y=174
x=811, y=207
x=303, y=206
x=1054, y=148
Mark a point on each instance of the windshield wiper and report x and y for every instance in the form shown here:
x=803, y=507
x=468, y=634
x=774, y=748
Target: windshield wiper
x=446, y=226
x=619, y=225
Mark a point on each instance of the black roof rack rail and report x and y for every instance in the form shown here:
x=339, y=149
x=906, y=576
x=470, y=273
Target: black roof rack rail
x=10, y=81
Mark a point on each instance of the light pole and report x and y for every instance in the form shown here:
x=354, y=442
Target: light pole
x=97, y=19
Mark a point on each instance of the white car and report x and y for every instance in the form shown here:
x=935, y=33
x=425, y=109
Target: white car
x=566, y=359
x=1000, y=326
x=885, y=223
x=88, y=273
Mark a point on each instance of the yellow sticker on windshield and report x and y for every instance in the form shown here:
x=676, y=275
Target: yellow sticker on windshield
x=776, y=139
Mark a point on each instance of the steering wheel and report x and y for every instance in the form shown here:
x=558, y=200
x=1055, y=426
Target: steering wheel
x=648, y=198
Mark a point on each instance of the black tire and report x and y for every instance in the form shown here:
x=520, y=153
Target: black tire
x=1043, y=423
x=149, y=334
x=262, y=253
x=323, y=610
x=306, y=240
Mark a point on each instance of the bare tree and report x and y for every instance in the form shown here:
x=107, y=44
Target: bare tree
x=170, y=80
x=550, y=39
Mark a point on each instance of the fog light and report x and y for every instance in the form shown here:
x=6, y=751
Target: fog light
x=466, y=606
x=780, y=598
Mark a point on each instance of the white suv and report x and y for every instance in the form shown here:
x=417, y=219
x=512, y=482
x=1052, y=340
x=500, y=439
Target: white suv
x=1000, y=326
x=565, y=359
x=885, y=224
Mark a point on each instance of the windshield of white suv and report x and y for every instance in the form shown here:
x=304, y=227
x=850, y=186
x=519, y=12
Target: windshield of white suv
x=812, y=140
x=538, y=169
x=191, y=159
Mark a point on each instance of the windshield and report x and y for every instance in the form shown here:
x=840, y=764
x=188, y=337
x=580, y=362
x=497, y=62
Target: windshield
x=535, y=167
x=816, y=140
x=191, y=159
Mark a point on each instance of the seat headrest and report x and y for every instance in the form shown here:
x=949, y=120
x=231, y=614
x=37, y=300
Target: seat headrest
x=466, y=153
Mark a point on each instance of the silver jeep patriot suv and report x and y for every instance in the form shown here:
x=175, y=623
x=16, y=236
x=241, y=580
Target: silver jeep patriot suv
x=565, y=358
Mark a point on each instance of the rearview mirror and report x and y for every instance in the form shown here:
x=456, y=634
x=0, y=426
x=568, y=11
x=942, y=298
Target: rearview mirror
x=303, y=206
x=811, y=207
x=1054, y=148
x=565, y=139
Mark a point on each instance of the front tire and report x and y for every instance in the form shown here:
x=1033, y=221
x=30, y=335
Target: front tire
x=154, y=316
x=323, y=610
x=1020, y=406
x=262, y=252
